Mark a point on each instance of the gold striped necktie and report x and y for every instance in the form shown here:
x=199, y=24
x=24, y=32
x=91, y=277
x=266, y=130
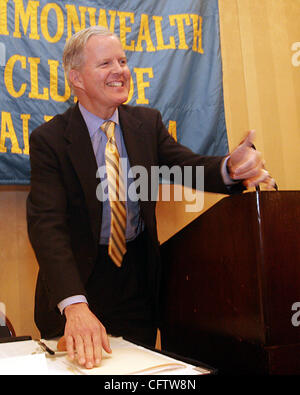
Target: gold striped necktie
x=116, y=194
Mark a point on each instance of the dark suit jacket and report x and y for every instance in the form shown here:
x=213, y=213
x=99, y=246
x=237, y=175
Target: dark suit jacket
x=63, y=213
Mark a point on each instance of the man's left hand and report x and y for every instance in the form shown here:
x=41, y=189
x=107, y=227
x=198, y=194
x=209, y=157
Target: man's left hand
x=246, y=163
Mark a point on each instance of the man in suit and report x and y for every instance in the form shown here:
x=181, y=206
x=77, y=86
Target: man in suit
x=80, y=291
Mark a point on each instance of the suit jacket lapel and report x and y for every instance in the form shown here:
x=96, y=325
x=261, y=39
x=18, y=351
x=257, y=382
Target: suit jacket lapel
x=133, y=137
x=137, y=146
x=82, y=156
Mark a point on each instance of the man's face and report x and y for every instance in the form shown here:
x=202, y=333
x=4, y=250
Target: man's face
x=104, y=76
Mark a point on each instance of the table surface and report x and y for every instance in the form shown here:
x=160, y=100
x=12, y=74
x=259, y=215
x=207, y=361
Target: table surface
x=28, y=357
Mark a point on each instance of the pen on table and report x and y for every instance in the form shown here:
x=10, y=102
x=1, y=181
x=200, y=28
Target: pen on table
x=46, y=348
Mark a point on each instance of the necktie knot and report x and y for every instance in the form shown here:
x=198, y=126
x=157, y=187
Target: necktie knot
x=108, y=128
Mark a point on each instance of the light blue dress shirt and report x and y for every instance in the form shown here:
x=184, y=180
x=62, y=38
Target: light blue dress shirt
x=99, y=140
x=134, y=224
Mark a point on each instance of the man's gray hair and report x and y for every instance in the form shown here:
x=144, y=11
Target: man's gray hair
x=73, y=56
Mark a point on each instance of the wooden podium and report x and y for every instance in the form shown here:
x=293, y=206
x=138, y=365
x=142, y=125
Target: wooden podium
x=230, y=279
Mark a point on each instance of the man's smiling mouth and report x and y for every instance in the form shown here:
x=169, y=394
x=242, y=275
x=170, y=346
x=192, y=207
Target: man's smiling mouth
x=115, y=84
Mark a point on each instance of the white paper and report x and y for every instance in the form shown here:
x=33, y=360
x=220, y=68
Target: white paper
x=34, y=364
x=27, y=357
x=126, y=358
x=14, y=349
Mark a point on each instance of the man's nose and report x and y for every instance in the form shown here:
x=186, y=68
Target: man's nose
x=116, y=67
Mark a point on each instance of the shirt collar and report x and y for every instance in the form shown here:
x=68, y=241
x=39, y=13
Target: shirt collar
x=93, y=122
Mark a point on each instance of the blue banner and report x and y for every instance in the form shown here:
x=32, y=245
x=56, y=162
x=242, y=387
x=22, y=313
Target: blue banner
x=173, y=50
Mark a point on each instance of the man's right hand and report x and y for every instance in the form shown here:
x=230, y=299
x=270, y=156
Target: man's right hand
x=84, y=335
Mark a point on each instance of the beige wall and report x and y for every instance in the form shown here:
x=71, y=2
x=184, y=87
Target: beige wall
x=261, y=84
x=18, y=267
x=262, y=92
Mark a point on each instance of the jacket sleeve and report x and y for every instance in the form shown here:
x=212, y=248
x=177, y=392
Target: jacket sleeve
x=48, y=222
x=172, y=153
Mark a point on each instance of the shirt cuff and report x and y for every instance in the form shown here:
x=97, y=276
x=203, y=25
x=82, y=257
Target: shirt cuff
x=224, y=172
x=71, y=300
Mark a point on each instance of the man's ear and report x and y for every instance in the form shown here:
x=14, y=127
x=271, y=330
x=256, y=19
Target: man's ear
x=75, y=78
